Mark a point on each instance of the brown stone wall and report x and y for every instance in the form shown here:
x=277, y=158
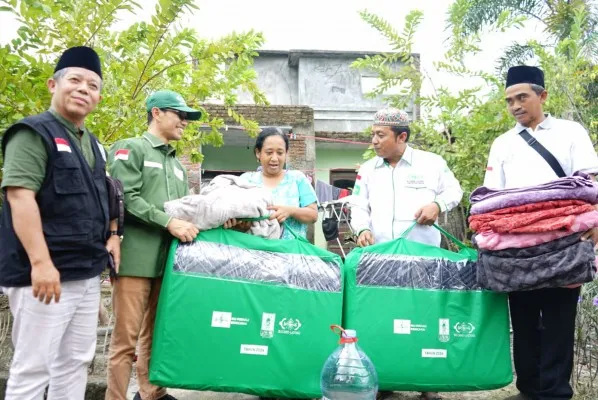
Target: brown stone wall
x=265, y=115
x=349, y=136
x=193, y=173
x=302, y=150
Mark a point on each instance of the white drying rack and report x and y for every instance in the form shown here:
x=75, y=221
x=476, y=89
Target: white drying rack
x=339, y=211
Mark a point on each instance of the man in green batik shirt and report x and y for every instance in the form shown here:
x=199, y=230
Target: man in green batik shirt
x=151, y=175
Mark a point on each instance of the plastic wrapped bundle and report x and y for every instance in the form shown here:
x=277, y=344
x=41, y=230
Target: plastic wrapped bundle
x=410, y=271
x=237, y=312
x=295, y=270
x=420, y=304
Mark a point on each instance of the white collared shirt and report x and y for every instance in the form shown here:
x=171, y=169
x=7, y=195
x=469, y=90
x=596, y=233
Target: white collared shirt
x=385, y=199
x=514, y=163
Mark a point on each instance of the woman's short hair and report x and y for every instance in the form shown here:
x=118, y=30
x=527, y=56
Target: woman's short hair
x=266, y=133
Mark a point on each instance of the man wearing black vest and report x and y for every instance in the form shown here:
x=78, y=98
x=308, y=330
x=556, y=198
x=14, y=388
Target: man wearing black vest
x=539, y=149
x=56, y=234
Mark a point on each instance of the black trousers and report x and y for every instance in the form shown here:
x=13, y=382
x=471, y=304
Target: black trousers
x=543, y=334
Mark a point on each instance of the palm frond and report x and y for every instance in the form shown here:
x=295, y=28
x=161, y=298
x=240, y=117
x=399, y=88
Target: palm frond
x=516, y=54
x=480, y=14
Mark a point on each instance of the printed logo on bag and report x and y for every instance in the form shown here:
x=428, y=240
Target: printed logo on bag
x=402, y=326
x=289, y=326
x=239, y=321
x=444, y=330
x=254, y=349
x=464, y=329
x=434, y=353
x=221, y=319
x=268, y=323
x=406, y=327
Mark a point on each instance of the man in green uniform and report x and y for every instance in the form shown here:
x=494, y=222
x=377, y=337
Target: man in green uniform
x=151, y=175
x=54, y=234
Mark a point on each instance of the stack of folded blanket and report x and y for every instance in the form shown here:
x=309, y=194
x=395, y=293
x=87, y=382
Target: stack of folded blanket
x=530, y=238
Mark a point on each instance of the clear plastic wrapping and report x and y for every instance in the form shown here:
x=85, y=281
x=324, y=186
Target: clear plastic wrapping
x=295, y=270
x=399, y=270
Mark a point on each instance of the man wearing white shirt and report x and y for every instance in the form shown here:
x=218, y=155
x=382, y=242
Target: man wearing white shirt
x=543, y=320
x=399, y=186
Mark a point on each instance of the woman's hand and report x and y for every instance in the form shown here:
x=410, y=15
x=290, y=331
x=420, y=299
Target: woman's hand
x=281, y=213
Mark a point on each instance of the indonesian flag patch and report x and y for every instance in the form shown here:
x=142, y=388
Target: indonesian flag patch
x=122, y=154
x=62, y=145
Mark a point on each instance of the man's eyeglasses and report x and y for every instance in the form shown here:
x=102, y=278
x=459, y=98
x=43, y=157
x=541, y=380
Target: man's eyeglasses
x=181, y=114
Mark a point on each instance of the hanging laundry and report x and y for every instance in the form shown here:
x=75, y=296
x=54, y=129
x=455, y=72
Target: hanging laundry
x=335, y=192
x=323, y=191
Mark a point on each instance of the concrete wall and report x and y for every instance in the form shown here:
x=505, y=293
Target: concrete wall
x=331, y=82
x=324, y=81
x=229, y=158
x=276, y=79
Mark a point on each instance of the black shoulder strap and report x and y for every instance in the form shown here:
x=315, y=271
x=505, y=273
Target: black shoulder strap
x=546, y=155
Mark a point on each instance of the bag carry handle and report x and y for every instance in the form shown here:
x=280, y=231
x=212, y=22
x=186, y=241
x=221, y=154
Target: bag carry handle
x=254, y=219
x=453, y=239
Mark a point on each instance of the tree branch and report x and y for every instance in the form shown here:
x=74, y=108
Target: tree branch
x=572, y=103
x=102, y=22
x=437, y=96
x=162, y=70
x=531, y=14
x=109, y=135
x=137, y=88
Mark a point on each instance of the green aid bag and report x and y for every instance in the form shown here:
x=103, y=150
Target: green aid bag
x=422, y=319
x=238, y=313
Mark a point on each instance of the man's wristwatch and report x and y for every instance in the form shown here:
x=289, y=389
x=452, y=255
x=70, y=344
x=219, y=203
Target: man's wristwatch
x=115, y=233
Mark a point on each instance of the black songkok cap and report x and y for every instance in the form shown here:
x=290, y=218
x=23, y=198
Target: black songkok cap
x=82, y=57
x=525, y=74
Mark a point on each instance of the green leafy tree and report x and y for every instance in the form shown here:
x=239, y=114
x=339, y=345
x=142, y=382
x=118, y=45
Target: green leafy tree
x=559, y=18
x=463, y=125
x=407, y=75
x=142, y=58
